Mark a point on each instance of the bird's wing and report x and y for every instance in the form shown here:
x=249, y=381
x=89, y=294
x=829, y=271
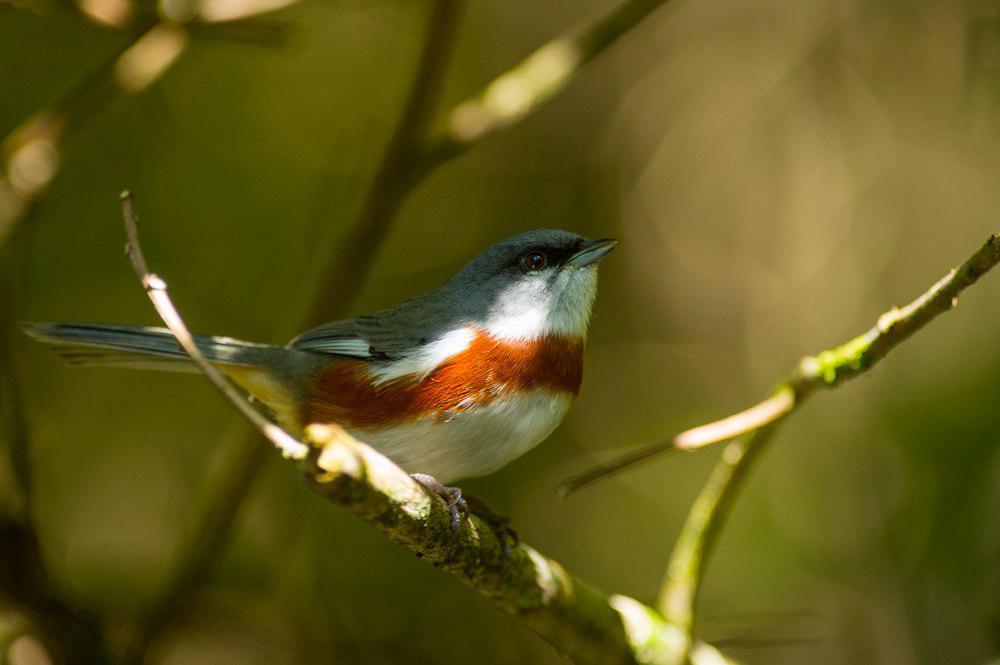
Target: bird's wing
x=384, y=335
x=340, y=338
x=389, y=334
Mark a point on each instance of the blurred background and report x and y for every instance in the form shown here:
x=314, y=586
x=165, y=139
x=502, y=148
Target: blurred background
x=779, y=174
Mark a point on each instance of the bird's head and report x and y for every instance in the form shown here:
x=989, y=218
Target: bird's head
x=532, y=284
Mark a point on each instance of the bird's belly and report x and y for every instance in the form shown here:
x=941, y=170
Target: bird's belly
x=473, y=442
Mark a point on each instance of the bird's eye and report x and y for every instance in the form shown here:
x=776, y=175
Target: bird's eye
x=534, y=261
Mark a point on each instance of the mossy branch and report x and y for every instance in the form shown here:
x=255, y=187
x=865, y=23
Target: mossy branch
x=578, y=620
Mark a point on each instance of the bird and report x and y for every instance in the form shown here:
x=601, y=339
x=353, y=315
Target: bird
x=452, y=384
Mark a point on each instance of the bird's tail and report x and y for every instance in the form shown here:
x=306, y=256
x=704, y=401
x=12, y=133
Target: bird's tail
x=103, y=344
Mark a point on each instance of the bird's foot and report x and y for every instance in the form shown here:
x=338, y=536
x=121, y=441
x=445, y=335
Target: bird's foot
x=460, y=504
x=452, y=497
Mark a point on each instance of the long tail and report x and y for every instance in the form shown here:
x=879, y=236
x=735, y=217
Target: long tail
x=140, y=347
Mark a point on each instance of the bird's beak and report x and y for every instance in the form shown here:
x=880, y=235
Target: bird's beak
x=591, y=251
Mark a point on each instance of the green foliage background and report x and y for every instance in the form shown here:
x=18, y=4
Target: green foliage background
x=778, y=172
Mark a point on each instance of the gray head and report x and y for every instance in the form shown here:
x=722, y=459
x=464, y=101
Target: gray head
x=538, y=282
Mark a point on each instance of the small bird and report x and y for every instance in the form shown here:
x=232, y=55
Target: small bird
x=452, y=384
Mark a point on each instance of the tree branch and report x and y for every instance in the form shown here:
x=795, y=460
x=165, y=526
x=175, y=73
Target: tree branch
x=575, y=618
x=826, y=369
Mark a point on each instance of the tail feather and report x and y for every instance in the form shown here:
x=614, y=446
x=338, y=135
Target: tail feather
x=140, y=347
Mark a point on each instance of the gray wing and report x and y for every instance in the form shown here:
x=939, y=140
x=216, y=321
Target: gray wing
x=388, y=334
x=339, y=338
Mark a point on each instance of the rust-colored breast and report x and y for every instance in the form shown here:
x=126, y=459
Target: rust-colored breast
x=486, y=371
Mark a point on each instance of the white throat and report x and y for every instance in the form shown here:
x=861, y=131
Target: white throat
x=529, y=310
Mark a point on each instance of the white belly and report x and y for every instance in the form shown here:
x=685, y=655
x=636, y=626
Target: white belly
x=474, y=442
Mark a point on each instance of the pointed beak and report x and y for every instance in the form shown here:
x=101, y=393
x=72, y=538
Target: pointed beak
x=591, y=251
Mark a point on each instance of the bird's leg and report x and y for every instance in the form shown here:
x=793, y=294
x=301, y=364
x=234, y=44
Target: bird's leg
x=452, y=497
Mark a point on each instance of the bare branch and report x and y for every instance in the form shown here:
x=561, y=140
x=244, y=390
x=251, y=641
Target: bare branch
x=686, y=569
x=826, y=369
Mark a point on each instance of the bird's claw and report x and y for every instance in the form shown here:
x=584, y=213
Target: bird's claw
x=459, y=504
x=452, y=497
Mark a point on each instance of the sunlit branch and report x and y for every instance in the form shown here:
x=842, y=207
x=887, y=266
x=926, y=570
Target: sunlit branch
x=686, y=568
x=31, y=155
x=685, y=572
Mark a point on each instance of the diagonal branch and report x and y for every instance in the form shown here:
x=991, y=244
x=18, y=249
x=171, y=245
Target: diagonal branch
x=826, y=369
x=575, y=618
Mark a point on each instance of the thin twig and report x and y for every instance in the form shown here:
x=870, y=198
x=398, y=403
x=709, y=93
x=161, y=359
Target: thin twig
x=575, y=618
x=685, y=572
x=156, y=289
x=826, y=369
x=686, y=568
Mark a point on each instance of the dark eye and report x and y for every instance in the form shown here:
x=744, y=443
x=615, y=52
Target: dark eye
x=534, y=261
